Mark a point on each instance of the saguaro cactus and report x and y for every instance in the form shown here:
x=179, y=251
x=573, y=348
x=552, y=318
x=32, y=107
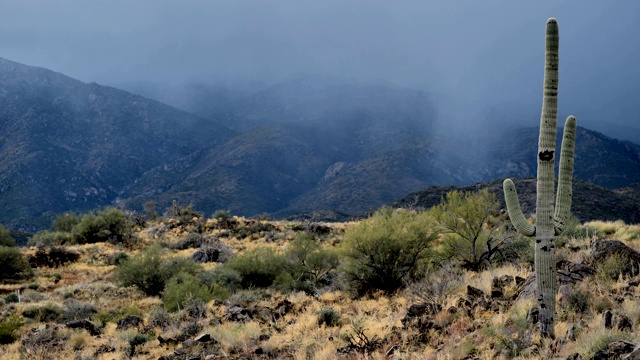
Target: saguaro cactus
x=549, y=223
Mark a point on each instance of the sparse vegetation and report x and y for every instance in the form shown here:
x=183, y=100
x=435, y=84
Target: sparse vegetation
x=301, y=283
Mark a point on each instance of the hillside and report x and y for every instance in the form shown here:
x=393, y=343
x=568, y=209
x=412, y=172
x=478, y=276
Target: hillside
x=306, y=145
x=68, y=145
x=590, y=202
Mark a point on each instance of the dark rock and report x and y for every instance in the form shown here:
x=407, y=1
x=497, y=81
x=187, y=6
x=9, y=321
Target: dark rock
x=417, y=310
x=206, y=337
x=264, y=337
x=575, y=356
x=620, y=347
x=474, y=293
x=602, y=249
x=215, y=251
x=634, y=355
x=622, y=323
x=601, y=355
x=607, y=319
x=533, y=315
x=167, y=341
x=237, y=313
x=282, y=308
x=452, y=310
x=188, y=344
x=520, y=280
x=259, y=351
x=499, y=283
x=129, y=322
x=84, y=324
x=103, y=349
x=496, y=294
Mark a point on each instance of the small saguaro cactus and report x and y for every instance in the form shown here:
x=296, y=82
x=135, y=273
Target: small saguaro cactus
x=549, y=222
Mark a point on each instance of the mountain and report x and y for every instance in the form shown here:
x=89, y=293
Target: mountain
x=590, y=202
x=67, y=145
x=305, y=146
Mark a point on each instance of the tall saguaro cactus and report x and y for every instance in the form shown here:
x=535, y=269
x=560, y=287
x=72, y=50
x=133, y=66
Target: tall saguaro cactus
x=549, y=223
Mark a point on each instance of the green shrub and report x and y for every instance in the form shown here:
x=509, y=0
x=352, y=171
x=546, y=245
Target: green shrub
x=159, y=318
x=223, y=276
x=329, y=317
x=258, y=267
x=150, y=272
x=12, y=298
x=183, y=287
x=65, y=222
x=309, y=263
x=5, y=237
x=49, y=238
x=8, y=329
x=473, y=227
x=15, y=266
x=49, y=312
x=109, y=225
x=387, y=249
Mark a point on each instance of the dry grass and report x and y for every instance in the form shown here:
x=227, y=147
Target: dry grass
x=485, y=334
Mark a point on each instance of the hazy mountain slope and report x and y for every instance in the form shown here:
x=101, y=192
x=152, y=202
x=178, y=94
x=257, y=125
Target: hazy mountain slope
x=67, y=145
x=256, y=172
x=590, y=202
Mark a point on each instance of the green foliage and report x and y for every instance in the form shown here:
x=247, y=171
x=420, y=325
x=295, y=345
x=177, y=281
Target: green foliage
x=258, y=267
x=49, y=312
x=49, y=238
x=65, y=222
x=612, y=268
x=12, y=298
x=473, y=230
x=577, y=301
x=150, y=272
x=5, y=237
x=8, y=329
x=15, y=266
x=386, y=250
x=308, y=263
x=329, y=317
x=109, y=225
x=183, y=287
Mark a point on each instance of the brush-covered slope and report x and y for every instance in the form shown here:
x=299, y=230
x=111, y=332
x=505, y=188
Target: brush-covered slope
x=68, y=145
x=590, y=202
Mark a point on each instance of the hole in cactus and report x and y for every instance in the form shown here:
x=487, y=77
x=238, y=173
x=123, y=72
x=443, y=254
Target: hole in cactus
x=546, y=155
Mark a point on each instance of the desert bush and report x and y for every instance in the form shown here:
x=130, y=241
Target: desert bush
x=606, y=227
x=258, y=267
x=12, y=298
x=630, y=232
x=53, y=256
x=77, y=310
x=159, y=318
x=47, y=238
x=437, y=285
x=613, y=267
x=9, y=327
x=386, y=250
x=65, y=222
x=329, y=317
x=150, y=272
x=475, y=232
x=577, y=301
x=49, y=312
x=5, y=237
x=109, y=225
x=182, y=288
x=309, y=262
x=15, y=266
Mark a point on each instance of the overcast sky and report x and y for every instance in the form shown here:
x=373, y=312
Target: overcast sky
x=488, y=52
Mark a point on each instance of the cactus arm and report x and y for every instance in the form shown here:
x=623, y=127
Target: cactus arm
x=515, y=212
x=563, y=197
x=545, y=265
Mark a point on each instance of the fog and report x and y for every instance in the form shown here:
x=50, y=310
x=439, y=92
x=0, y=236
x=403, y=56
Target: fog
x=482, y=59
